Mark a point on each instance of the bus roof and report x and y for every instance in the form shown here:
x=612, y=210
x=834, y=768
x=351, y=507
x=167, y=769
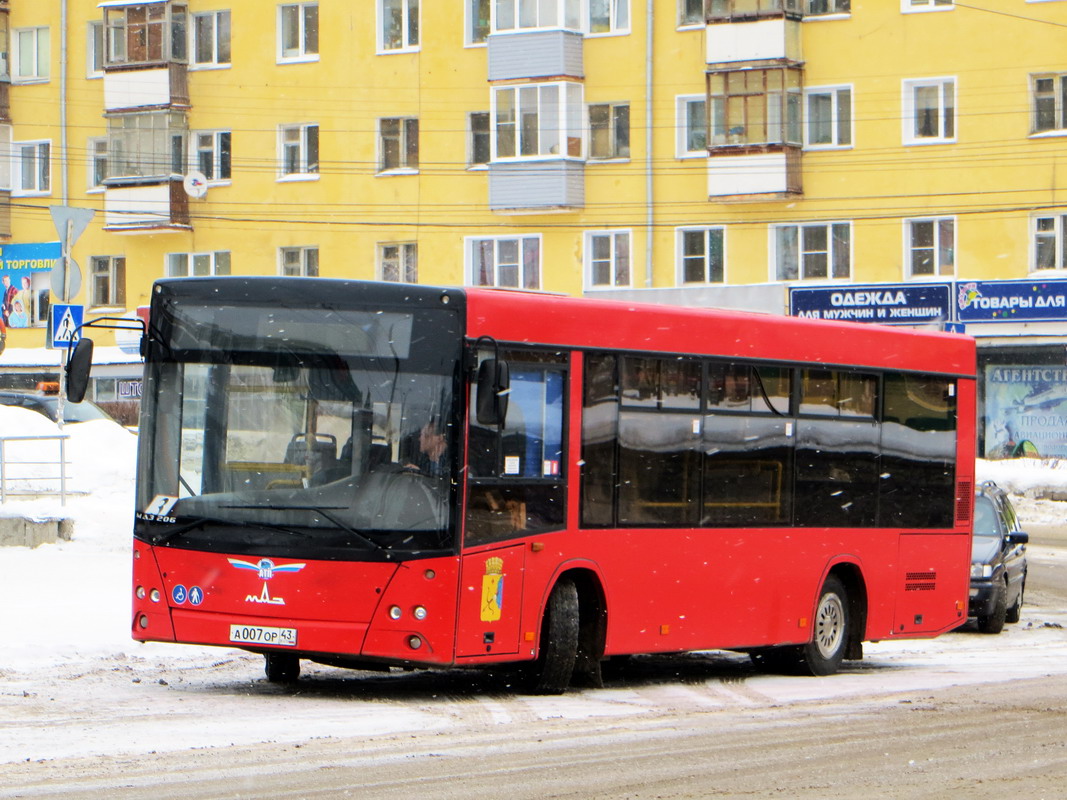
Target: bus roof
x=535, y=318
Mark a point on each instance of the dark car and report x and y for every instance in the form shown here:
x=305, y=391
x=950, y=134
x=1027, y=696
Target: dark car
x=998, y=560
x=48, y=404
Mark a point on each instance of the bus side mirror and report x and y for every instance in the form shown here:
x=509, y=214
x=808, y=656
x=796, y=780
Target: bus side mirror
x=78, y=367
x=494, y=383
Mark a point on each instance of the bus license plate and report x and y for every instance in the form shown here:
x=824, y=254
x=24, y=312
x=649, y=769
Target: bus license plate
x=256, y=634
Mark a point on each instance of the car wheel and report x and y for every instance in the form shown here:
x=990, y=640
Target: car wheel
x=994, y=622
x=1014, y=613
x=551, y=672
x=281, y=667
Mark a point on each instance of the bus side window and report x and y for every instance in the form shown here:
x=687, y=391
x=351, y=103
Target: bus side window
x=516, y=471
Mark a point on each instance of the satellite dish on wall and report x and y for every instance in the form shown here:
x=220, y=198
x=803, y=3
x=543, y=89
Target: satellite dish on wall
x=195, y=184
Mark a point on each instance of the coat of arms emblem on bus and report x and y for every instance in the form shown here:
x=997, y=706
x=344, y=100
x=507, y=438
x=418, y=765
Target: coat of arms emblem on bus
x=492, y=589
x=267, y=569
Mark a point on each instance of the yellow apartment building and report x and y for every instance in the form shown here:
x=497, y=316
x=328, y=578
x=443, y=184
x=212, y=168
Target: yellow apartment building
x=896, y=161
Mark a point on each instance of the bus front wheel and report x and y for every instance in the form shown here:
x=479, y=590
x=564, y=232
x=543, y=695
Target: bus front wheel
x=281, y=667
x=551, y=672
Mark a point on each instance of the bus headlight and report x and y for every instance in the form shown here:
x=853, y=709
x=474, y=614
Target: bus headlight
x=154, y=595
x=394, y=612
x=140, y=593
x=419, y=613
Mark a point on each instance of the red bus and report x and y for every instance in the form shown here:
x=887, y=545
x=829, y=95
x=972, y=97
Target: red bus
x=371, y=475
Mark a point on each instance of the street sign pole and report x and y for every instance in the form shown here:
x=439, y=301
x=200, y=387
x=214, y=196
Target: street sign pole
x=70, y=224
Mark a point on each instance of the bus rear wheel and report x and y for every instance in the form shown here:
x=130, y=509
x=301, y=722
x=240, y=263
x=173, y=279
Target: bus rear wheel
x=551, y=672
x=829, y=642
x=281, y=667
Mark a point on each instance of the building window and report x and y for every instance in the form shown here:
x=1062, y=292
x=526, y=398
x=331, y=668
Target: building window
x=609, y=130
x=755, y=107
x=507, y=261
x=33, y=167
x=829, y=117
x=398, y=144
x=745, y=10
x=1050, y=251
x=152, y=33
x=211, y=39
x=301, y=262
x=931, y=247
x=925, y=5
x=181, y=265
x=478, y=20
x=1050, y=103
x=692, y=126
x=146, y=145
x=701, y=255
x=813, y=252
x=690, y=12
x=298, y=32
x=540, y=120
x=609, y=16
x=479, y=138
x=930, y=111
x=94, y=51
x=398, y=25
x=399, y=263
x=816, y=7
x=109, y=281
x=607, y=259
x=97, y=150
x=299, y=146
x=212, y=156
x=524, y=14
x=30, y=54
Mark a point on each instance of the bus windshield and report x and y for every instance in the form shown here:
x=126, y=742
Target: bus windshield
x=323, y=433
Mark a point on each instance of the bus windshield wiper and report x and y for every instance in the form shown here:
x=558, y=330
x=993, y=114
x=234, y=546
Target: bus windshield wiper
x=181, y=530
x=325, y=512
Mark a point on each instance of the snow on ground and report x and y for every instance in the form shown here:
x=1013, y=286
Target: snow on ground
x=65, y=610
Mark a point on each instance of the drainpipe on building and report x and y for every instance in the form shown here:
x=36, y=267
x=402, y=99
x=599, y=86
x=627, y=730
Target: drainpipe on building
x=649, y=215
x=63, y=152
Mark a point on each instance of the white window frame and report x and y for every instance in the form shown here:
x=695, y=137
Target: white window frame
x=618, y=12
x=524, y=281
x=836, y=13
x=684, y=21
x=38, y=156
x=682, y=104
x=470, y=19
x=410, y=39
x=305, y=169
x=946, y=89
x=220, y=154
x=807, y=251
x=39, y=44
x=301, y=262
x=1056, y=233
x=302, y=53
x=181, y=265
x=940, y=269
x=95, y=49
x=612, y=132
x=707, y=231
x=568, y=124
x=407, y=157
x=113, y=269
x=1058, y=96
x=96, y=150
x=925, y=6
x=620, y=265
x=838, y=130
x=401, y=266
x=221, y=22
x=561, y=14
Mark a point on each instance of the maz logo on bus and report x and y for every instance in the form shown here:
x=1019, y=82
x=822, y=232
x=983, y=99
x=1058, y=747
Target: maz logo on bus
x=266, y=570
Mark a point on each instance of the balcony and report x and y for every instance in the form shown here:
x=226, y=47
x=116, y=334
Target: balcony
x=535, y=54
x=137, y=88
x=537, y=186
x=753, y=32
x=770, y=175
x=147, y=208
x=5, y=213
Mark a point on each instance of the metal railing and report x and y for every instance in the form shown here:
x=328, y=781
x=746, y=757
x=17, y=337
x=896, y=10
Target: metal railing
x=35, y=476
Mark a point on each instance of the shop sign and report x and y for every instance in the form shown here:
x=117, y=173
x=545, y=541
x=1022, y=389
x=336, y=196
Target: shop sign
x=24, y=270
x=1011, y=301
x=885, y=303
x=1026, y=410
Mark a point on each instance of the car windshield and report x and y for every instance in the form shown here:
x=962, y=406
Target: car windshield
x=987, y=535
x=318, y=431
x=80, y=412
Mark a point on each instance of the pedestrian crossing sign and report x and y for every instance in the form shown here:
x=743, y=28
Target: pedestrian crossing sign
x=64, y=323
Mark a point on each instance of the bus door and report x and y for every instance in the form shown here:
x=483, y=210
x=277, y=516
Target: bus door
x=490, y=601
